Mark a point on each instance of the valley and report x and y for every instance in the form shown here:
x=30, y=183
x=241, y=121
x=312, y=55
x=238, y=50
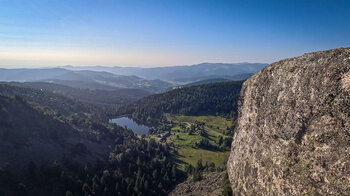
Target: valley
x=51, y=144
x=174, y=98
x=65, y=140
x=197, y=121
x=84, y=142
x=193, y=138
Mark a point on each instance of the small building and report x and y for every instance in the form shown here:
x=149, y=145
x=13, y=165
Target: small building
x=162, y=137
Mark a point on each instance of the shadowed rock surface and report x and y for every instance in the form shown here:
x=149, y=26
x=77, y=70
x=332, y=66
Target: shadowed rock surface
x=293, y=134
x=210, y=185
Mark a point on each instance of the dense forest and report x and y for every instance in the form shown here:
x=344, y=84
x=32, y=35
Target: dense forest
x=115, y=96
x=208, y=99
x=53, y=145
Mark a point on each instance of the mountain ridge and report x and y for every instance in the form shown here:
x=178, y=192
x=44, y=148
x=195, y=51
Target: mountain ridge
x=171, y=73
x=82, y=79
x=207, y=99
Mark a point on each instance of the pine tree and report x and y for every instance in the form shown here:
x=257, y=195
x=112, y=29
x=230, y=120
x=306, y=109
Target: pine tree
x=173, y=173
x=86, y=189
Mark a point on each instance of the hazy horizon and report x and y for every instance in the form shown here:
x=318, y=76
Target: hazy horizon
x=166, y=33
x=122, y=66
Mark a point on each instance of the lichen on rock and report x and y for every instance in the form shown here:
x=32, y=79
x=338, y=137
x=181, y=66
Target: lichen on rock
x=293, y=132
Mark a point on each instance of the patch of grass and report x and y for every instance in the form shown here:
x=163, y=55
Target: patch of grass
x=176, y=128
x=185, y=143
x=192, y=155
x=147, y=138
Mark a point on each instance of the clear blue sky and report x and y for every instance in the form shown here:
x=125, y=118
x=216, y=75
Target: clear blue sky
x=167, y=32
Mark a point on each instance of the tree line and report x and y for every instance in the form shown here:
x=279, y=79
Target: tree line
x=209, y=99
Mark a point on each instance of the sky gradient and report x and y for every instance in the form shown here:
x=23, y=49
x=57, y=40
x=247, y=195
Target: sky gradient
x=168, y=32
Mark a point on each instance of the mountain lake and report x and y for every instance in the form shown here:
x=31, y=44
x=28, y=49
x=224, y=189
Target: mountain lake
x=129, y=123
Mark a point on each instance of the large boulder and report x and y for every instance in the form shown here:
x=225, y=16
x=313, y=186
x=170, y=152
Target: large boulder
x=293, y=133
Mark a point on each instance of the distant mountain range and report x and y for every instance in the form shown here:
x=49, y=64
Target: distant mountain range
x=93, y=80
x=118, y=96
x=184, y=73
x=145, y=80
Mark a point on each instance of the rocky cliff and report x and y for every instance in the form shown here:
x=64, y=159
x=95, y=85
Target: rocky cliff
x=293, y=133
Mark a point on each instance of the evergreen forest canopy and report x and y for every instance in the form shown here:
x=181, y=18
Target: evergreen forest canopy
x=53, y=145
x=116, y=96
x=56, y=140
x=208, y=99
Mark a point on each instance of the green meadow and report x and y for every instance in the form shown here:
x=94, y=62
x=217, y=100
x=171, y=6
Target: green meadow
x=187, y=152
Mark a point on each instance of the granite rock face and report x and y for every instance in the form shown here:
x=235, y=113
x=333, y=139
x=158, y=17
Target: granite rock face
x=210, y=185
x=293, y=133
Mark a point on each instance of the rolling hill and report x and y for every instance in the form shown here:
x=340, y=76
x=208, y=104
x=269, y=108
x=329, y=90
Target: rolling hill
x=184, y=73
x=30, y=133
x=118, y=96
x=53, y=145
x=208, y=99
x=208, y=81
x=83, y=79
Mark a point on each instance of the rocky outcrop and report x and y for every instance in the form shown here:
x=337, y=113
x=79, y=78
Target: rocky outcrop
x=293, y=133
x=210, y=185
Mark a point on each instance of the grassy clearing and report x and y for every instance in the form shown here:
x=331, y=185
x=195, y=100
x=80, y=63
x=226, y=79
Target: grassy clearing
x=192, y=155
x=185, y=143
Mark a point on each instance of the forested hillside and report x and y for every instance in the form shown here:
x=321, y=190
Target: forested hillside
x=94, y=80
x=52, y=145
x=116, y=96
x=197, y=121
x=209, y=99
x=61, y=105
x=206, y=81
